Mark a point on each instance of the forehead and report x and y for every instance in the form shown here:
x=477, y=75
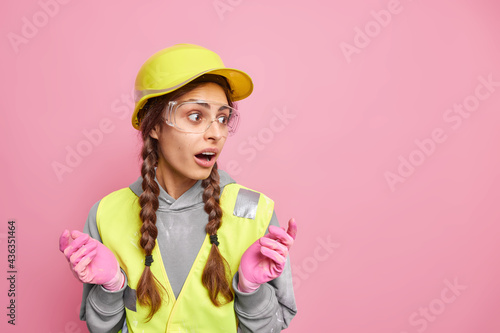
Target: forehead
x=208, y=91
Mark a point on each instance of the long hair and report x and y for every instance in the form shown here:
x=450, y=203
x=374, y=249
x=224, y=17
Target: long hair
x=216, y=274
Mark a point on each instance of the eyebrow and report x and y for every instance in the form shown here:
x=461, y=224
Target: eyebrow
x=206, y=105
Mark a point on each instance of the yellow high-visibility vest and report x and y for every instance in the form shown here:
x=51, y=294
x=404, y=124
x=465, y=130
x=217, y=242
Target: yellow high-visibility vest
x=246, y=216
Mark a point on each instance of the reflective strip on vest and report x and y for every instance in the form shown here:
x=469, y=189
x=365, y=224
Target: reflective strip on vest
x=246, y=204
x=246, y=216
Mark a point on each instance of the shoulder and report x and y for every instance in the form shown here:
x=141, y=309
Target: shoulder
x=242, y=191
x=119, y=197
x=230, y=186
x=116, y=208
x=246, y=202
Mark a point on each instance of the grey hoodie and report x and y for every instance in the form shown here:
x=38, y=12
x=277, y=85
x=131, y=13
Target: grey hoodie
x=181, y=231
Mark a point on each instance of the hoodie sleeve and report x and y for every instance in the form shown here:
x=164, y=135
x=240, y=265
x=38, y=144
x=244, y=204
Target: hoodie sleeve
x=271, y=307
x=103, y=310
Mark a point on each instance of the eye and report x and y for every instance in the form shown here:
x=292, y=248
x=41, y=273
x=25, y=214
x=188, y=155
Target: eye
x=195, y=117
x=223, y=119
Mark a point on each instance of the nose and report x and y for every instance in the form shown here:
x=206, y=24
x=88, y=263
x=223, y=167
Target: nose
x=215, y=131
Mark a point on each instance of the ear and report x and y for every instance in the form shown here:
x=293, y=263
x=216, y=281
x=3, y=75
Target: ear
x=155, y=132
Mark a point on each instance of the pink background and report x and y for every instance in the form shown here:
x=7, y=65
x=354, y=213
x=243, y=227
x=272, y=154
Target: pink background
x=371, y=255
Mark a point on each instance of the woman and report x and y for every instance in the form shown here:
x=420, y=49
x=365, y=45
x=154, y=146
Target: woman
x=148, y=259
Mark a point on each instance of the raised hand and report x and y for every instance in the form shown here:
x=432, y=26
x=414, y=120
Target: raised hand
x=91, y=261
x=265, y=259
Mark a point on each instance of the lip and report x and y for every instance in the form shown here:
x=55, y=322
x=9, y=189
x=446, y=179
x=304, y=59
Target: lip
x=203, y=162
x=209, y=150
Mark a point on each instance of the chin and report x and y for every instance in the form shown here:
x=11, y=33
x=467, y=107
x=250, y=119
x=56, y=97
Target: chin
x=202, y=174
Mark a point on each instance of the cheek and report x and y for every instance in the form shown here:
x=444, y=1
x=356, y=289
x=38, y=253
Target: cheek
x=223, y=142
x=182, y=148
x=178, y=148
x=172, y=144
x=185, y=145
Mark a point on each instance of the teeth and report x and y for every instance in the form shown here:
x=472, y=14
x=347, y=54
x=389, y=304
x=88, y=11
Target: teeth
x=208, y=155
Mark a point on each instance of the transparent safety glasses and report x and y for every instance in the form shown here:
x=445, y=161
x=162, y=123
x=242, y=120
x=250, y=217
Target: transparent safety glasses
x=196, y=116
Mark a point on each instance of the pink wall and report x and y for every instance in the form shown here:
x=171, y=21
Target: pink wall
x=377, y=128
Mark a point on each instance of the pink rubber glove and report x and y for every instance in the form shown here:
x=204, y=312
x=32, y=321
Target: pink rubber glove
x=91, y=261
x=265, y=259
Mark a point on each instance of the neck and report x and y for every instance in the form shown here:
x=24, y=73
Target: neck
x=172, y=182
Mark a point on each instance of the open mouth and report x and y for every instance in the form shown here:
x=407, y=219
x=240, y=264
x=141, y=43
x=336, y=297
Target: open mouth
x=207, y=156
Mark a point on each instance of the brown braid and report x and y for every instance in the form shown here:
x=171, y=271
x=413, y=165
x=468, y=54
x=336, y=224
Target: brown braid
x=217, y=273
x=147, y=289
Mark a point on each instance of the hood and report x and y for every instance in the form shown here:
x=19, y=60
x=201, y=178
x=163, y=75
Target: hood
x=187, y=199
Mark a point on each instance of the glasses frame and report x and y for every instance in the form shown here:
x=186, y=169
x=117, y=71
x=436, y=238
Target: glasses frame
x=174, y=105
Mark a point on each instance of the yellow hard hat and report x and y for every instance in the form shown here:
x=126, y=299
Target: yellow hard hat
x=176, y=66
